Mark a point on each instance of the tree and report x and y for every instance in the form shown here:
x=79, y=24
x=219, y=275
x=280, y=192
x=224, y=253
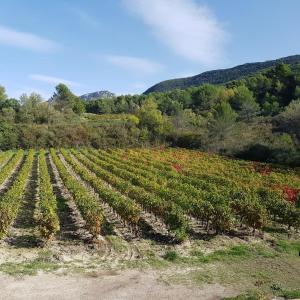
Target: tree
x=187, y=120
x=3, y=95
x=63, y=99
x=289, y=119
x=152, y=119
x=221, y=126
x=10, y=103
x=270, y=105
x=205, y=97
x=8, y=135
x=6, y=102
x=29, y=107
x=224, y=118
x=244, y=102
x=168, y=106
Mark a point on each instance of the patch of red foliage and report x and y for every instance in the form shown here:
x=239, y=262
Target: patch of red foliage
x=177, y=167
x=261, y=168
x=290, y=194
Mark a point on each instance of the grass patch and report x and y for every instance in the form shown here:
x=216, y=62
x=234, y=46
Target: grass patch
x=117, y=243
x=295, y=294
x=287, y=294
x=264, y=252
x=248, y=296
x=156, y=263
x=203, y=277
x=290, y=247
x=28, y=268
x=44, y=262
x=245, y=267
x=235, y=252
x=171, y=256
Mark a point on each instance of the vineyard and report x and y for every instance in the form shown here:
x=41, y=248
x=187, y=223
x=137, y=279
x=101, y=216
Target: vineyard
x=165, y=195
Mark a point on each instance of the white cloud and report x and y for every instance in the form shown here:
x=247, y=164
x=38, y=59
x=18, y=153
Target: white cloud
x=189, y=29
x=135, y=64
x=53, y=80
x=26, y=40
x=85, y=17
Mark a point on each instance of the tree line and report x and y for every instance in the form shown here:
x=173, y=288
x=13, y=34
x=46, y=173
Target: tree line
x=257, y=117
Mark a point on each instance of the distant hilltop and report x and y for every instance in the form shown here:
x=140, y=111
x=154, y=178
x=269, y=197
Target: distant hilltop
x=220, y=76
x=98, y=95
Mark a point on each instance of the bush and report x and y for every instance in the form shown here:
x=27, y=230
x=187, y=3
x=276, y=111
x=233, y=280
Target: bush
x=171, y=256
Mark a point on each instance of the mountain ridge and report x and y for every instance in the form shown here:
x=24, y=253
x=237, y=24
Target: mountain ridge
x=97, y=95
x=220, y=76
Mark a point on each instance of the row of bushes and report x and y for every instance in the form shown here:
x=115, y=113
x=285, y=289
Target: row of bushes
x=7, y=170
x=213, y=199
x=46, y=216
x=171, y=213
x=126, y=208
x=11, y=201
x=90, y=209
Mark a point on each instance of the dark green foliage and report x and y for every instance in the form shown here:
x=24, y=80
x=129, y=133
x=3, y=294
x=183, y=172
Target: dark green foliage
x=256, y=152
x=244, y=103
x=8, y=136
x=220, y=76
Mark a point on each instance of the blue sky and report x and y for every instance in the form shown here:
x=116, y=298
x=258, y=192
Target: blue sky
x=126, y=46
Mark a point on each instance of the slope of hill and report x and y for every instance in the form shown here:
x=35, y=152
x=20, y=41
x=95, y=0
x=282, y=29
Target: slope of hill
x=98, y=95
x=220, y=76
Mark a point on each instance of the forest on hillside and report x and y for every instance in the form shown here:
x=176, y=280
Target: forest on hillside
x=221, y=76
x=257, y=118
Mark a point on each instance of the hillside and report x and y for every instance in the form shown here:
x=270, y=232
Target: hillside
x=98, y=95
x=220, y=76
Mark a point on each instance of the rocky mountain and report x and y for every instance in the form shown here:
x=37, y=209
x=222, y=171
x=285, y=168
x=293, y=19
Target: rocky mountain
x=98, y=95
x=220, y=76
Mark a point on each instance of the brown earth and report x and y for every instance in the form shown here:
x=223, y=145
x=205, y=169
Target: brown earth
x=127, y=284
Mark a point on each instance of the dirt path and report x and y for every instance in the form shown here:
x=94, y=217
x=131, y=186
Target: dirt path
x=104, y=285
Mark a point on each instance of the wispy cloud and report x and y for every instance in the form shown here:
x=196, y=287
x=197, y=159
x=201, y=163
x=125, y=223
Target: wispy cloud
x=135, y=64
x=53, y=80
x=85, y=17
x=12, y=37
x=189, y=29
